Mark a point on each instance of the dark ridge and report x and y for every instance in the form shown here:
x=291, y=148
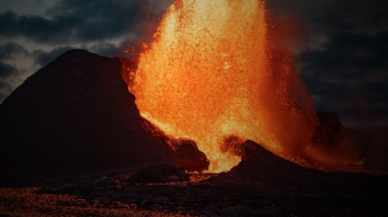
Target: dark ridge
x=259, y=163
x=73, y=116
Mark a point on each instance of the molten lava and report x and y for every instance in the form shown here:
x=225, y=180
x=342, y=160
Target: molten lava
x=210, y=74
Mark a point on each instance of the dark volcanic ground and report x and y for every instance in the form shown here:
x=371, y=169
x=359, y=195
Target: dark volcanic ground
x=262, y=185
x=73, y=130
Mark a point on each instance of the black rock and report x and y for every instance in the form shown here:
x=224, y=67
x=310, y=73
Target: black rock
x=104, y=183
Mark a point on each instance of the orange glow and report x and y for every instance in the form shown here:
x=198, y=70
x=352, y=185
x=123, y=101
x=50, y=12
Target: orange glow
x=211, y=73
x=207, y=76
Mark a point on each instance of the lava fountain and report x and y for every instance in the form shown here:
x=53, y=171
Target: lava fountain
x=211, y=73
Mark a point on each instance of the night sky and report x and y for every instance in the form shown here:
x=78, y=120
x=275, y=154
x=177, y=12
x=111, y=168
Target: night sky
x=340, y=47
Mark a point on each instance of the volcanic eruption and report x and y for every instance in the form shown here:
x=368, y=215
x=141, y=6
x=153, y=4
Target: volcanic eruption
x=218, y=73
x=216, y=90
x=211, y=76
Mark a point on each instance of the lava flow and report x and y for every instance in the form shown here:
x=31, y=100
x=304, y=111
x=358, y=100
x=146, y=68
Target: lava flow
x=211, y=76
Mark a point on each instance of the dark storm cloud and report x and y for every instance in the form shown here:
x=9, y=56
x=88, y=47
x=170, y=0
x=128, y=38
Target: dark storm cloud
x=349, y=74
x=332, y=21
x=36, y=28
x=12, y=75
x=6, y=52
x=6, y=70
x=344, y=56
x=8, y=22
x=104, y=27
x=79, y=21
x=98, y=19
x=9, y=49
x=348, y=56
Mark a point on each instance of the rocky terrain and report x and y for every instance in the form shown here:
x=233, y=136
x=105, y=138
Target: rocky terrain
x=261, y=185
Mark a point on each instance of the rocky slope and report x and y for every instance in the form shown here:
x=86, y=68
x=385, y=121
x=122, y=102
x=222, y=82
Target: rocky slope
x=75, y=116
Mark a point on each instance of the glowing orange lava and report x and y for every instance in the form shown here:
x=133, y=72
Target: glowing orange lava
x=209, y=74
